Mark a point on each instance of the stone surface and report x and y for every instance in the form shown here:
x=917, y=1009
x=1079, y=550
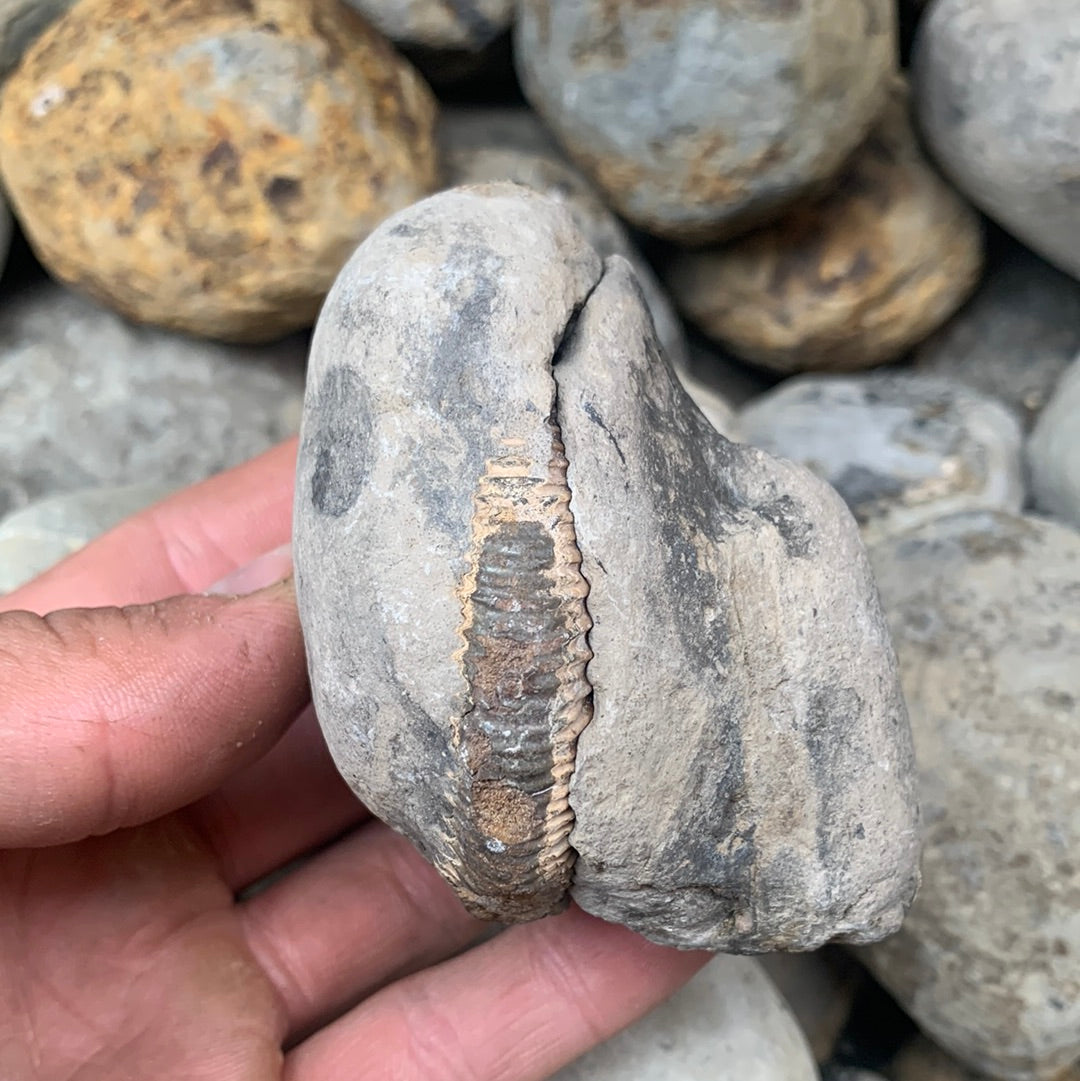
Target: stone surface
x=519, y=156
x=899, y=448
x=209, y=166
x=716, y=408
x=442, y=572
x=851, y=280
x=922, y=1060
x=849, y=1073
x=1053, y=451
x=819, y=989
x=699, y=119
x=88, y=400
x=21, y=22
x=727, y=1024
x=985, y=613
x=996, y=88
x=463, y=25
x=1014, y=337
x=36, y=537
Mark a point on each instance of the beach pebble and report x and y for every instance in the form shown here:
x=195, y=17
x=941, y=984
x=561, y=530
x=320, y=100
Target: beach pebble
x=36, y=537
x=985, y=613
x=209, y=165
x=850, y=281
x=515, y=152
x=21, y=22
x=727, y=1024
x=1014, y=337
x=437, y=26
x=1053, y=451
x=997, y=82
x=88, y=400
x=699, y=119
x=899, y=448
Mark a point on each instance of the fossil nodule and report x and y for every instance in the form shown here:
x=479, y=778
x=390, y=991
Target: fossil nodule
x=563, y=635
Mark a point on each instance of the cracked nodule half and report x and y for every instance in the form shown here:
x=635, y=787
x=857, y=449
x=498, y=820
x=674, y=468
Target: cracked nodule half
x=564, y=636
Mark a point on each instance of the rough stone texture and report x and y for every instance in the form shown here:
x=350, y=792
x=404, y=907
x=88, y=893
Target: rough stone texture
x=899, y=448
x=209, y=165
x=699, y=119
x=461, y=25
x=437, y=574
x=522, y=159
x=21, y=22
x=852, y=280
x=819, y=988
x=996, y=88
x=88, y=400
x=1015, y=336
x=984, y=612
x=1053, y=451
x=727, y=1023
x=36, y=537
x=922, y=1060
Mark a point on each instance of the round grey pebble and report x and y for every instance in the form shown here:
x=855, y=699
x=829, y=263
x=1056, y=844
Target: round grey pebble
x=36, y=537
x=697, y=119
x=1053, y=451
x=87, y=399
x=899, y=448
x=465, y=25
x=729, y=1021
x=985, y=614
x=1015, y=336
x=996, y=83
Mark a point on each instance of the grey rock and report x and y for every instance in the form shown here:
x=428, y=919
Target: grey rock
x=464, y=25
x=848, y=281
x=36, y=537
x=727, y=1024
x=900, y=448
x=461, y=128
x=745, y=778
x=699, y=119
x=996, y=85
x=737, y=383
x=850, y=1073
x=985, y=613
x=522, y=159
x=921, y=1060
x=1053, y=451
x=21, y=21
x=1015, y=336
x=819, y=988
x=89, y=400
x=5, y=232
x=715, y=407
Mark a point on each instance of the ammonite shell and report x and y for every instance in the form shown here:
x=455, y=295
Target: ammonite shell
x=562, y=634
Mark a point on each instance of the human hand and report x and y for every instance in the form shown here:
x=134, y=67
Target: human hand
x=150, y=769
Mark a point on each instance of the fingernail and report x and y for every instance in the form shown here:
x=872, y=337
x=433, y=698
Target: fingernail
x=262, y=571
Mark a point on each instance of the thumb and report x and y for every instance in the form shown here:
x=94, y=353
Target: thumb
x=112, y=716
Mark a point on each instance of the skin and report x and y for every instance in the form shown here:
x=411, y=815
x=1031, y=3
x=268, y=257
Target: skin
x=157, y=758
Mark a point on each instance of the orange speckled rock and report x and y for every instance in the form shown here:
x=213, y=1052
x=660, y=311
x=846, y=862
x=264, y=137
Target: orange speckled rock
x=209, y=165
x=848, y=282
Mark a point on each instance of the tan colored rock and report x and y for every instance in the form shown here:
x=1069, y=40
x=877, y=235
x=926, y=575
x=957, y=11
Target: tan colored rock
x=848, y=282
x=922, y=1060
x=209, y=165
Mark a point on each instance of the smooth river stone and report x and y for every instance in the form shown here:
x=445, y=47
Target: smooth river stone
x=1014, y=337
x=730, y=602
x=697, y=119
x=996, y=85
x=88, y=400
x=899, y=448
x=36, y=537
x=850, y=281
x=985, y=613
x=209, y=165
x=522, y=159
x=727, y=1024
x=1053, y=451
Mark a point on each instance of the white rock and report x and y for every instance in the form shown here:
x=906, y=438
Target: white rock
x=728, y=1024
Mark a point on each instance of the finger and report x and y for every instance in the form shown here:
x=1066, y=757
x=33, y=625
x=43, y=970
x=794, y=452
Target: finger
x=114, y=716
x=180, y=545
x=517, y=1008
x=367, y=910
x=291, y=801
